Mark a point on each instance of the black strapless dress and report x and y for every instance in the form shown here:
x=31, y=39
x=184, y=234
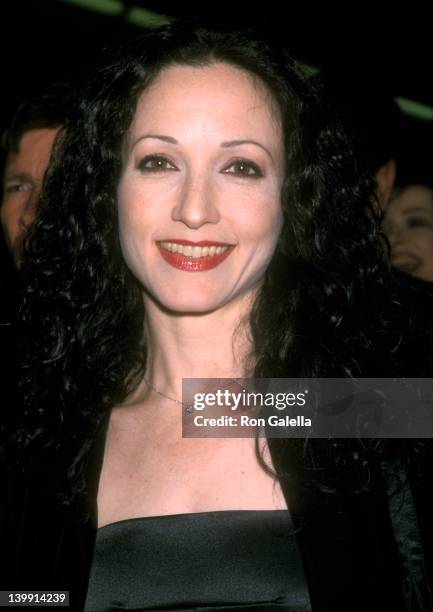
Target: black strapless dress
x=221, y=560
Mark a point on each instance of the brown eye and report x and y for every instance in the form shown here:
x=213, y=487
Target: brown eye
x=16, y=187
x=245, y=169
x=418, y=222
x=154, y=163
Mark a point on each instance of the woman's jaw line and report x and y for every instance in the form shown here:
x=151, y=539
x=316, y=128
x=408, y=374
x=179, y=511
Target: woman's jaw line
x=194, y=339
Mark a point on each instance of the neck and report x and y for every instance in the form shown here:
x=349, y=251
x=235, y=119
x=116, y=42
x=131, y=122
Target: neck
x=209, y=345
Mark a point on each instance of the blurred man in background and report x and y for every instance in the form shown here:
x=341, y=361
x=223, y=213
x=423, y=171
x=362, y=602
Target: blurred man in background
x=26, y=149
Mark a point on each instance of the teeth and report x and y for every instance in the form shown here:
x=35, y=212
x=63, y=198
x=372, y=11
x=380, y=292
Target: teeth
x=194, y=252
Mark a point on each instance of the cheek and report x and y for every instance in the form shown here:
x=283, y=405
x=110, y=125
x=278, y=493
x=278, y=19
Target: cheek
x=141, y=203
x=266, y=228
x=133, y=223
x=10, y=214
x=424, y=242
x=3, y=215
x=136, y=205
x=270, y=232
x=260, y=214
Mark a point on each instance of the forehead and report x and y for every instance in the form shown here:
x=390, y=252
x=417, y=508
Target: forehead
x=215, y=96
x=415, y=196
x=34, y=147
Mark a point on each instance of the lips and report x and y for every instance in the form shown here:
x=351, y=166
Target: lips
x=407, y=262
x=194, y=256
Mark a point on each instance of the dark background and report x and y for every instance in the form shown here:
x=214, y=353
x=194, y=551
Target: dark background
x=52, y=40
x=44, y=40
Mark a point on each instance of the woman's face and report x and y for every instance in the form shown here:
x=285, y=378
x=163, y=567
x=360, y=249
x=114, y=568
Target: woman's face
x=408, y=224
x=199, y=196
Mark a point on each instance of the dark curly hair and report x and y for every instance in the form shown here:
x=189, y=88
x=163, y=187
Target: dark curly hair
x=323, y=309
x=45, y=109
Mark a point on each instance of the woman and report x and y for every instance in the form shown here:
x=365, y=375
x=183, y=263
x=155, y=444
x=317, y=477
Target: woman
x=204, y=219
x=408, y=224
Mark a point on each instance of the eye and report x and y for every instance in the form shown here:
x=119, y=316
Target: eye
x=154, y=163
x=16, y=187
x=418, y=222
x=246, y=169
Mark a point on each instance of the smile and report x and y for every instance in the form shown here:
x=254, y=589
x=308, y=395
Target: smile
x=405, y=261
x=194, y=257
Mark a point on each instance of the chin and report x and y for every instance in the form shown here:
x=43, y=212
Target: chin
x=178, y=304
x=190, y=308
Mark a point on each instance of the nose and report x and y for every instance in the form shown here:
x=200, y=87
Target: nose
x=392, y=229
x=395, y=235
x=196, y=205
x=28, y=211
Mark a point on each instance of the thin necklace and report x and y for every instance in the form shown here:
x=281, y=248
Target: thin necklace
x=188, y=406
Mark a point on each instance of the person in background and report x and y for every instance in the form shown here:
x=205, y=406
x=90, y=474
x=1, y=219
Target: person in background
x=408, y=224
x=395, y=151
x=385, y=141
x=202, y=217
x=26, y=148
x=408, y=220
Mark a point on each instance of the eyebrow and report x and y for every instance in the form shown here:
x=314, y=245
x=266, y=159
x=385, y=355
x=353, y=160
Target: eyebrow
x=417, y=209
x=18, y=176
x=230, y=143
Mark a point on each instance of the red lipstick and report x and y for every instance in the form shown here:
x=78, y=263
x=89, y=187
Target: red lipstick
x=194, y=264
